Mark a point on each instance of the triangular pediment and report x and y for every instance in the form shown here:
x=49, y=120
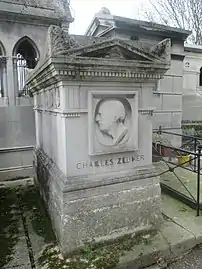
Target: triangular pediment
x=114, y=49
x=115, y=52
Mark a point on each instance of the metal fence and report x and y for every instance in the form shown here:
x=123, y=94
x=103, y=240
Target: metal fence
x=190, y=155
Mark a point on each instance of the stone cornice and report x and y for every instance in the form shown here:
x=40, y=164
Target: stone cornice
x=47, y=14
x=63, y=68
x=124, y=63
x=109, y=62
x=36, y=19
x=84, y=74
x=43, y=79
x=27, y=19
x=76, y=113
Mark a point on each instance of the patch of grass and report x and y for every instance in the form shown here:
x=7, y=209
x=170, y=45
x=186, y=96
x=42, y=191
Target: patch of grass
x=9, y=225
x=94, y=256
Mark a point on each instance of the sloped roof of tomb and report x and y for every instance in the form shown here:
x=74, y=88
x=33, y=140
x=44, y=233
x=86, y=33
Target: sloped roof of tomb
x=110, y=22
x=151, y=27
x=76, y=55
x=115, y=48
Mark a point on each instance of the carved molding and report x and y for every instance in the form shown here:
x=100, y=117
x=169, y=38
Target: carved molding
x=62, y=113
x=48, y=98
x=129, y=74
x=115, y=53
x=71, y=115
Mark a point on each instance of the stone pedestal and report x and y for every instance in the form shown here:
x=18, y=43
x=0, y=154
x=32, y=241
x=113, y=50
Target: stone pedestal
x=93, y=156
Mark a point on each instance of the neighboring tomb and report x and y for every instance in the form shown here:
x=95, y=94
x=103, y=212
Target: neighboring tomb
x=23, y=30
x=93, y=155
x=192, y=85
x=168, y=92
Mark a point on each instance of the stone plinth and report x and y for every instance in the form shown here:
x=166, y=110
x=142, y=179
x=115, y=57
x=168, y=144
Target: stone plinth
x=93, y=156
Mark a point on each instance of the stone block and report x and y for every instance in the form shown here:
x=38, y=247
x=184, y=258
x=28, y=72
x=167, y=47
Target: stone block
x=102, y=212
x=172, y=102
x=176, y=120
x=177, y=84
x=157, y=100
x=162, y=119
x=166, y=84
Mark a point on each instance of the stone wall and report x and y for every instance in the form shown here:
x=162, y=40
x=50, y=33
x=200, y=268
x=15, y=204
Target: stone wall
x=17, y=139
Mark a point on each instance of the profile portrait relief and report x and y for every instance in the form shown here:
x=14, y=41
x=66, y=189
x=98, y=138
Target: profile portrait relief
x=112, y=121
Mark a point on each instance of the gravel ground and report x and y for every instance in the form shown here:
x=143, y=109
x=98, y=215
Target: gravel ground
x=193, y=260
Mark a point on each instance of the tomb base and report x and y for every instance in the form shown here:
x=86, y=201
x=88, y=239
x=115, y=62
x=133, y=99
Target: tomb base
x=108, y=207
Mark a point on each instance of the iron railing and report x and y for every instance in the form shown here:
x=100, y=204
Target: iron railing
x=190, y=146
x=23, y=74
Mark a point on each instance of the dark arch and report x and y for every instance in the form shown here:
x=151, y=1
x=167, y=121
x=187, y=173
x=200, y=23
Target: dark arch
x=200, y=77
x=2, y=49
x=28, y=50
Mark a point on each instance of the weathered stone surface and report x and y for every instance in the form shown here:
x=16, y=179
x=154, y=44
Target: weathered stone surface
x=101, y=212
x=95, y=171
x=58, y=40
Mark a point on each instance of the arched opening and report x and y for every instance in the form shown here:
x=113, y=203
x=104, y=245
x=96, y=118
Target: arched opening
x=27, y=56
x=2, y=69
x=2, y=50
x=200, y=77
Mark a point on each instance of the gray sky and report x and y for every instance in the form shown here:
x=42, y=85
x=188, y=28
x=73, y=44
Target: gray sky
x=83, y=11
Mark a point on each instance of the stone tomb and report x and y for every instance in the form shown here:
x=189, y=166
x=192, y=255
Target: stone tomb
x=93, y=155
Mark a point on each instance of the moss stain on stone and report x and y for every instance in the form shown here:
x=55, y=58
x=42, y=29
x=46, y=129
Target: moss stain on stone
x=95, y=256
x=9, y=225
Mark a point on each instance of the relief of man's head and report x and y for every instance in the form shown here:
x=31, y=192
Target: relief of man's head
x=110, y=115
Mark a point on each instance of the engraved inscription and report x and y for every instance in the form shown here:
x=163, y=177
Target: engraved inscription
x=109, y=162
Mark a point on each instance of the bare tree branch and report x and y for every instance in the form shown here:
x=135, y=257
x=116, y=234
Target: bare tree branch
x=184, y=14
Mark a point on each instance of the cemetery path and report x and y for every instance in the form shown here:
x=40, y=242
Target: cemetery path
x=191, y=261
x=25, y=228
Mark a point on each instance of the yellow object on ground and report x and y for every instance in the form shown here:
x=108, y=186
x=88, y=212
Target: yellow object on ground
x=184, y=160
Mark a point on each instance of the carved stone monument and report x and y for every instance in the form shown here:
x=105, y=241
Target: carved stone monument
x=93, y=156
